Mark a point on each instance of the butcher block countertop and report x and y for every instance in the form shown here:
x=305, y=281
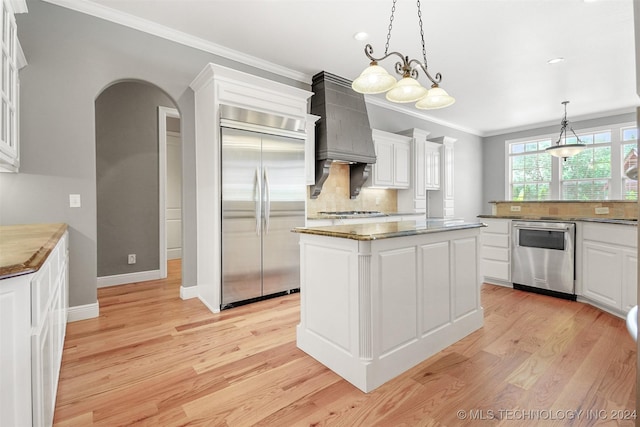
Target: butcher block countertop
x=24, y=248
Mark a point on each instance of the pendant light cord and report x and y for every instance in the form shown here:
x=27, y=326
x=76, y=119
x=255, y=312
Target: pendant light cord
x=424, y=50
x=393, y=11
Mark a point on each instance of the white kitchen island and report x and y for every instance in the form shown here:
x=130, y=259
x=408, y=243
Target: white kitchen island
x=377, y=299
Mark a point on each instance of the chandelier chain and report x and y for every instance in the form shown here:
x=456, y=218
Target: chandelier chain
x=424, y=50
x=393, y=11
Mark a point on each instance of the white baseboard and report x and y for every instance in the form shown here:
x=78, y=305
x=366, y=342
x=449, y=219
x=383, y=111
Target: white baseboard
x=175, y=253
x=123, y=279
x=83, y=312
x=188, y=292
x=211, y=308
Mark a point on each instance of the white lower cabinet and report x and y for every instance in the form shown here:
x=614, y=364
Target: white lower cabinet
x=33, y=318
x=496, y=251
x=600, y=284
x=606, y=261
x=610, y=265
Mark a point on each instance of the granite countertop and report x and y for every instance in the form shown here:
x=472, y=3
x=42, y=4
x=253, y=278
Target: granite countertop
x=382, y=215
x=622, y=221
x=385, y=230
x=24, y=248
x=562, y=201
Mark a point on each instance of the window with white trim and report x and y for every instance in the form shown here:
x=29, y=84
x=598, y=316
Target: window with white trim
x=530, y=170
x=587, y=175
x=629, y=160
x=597, y=173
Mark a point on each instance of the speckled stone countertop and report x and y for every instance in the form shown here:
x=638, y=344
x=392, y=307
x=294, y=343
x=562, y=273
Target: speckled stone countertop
x=544, y=218
x=382, y=215
x=24, y=248
x=386, y=230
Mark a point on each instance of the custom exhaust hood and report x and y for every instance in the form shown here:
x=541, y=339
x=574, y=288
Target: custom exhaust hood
x=343, y=132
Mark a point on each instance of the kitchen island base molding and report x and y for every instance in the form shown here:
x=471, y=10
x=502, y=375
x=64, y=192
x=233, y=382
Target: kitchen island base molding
x=371, y=310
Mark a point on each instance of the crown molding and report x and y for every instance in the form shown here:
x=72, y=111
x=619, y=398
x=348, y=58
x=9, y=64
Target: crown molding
x=19, y=6
x=412, y=112
x=574, y=119
x=140, y=24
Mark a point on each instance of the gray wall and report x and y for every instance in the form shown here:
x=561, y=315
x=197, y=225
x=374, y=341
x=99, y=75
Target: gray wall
x=467, y=156
x=127, y=177
x=493, y=161
x=71, y=58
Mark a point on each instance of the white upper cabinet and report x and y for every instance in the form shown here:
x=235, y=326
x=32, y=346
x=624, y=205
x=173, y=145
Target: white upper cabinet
x=392, y=167
x=421, y=175
x=432, y=163
x=12, y=60
x=441, y=202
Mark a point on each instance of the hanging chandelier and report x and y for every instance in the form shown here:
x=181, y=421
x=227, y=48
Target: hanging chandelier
x=375, y=79
x=561, y=148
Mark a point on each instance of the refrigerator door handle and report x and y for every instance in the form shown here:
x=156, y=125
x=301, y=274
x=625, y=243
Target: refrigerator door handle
x=258, y=202
x=267, y=205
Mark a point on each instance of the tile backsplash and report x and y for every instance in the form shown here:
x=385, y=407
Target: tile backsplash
x=618, y=209
x=335, y=195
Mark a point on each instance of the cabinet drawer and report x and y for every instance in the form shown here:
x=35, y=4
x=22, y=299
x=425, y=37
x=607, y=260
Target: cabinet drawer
x=498, y=240
x=497, y=254
x=497, y=226
x=615, y=234
x=496, y=269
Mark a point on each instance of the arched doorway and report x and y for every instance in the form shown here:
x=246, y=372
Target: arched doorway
x=131, y=182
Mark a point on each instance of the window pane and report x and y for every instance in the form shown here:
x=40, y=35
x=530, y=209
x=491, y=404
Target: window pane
x=517, y=148
x=531, y=146
x=517, y=162
x=517, y=192
x=571, y=140
x=517, y=176
x=630, y=134
x=603, y=137
x=586, y=139
x=544, y=144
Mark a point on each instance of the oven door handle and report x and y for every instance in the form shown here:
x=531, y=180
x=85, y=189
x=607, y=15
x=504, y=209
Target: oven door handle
x=526, y=227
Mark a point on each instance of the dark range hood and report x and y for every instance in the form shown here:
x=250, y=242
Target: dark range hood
x=343, y=132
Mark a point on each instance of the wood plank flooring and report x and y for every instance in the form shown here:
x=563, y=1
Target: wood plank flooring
x=151, y=359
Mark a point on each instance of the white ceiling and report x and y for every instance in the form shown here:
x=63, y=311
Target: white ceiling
x=492, y=54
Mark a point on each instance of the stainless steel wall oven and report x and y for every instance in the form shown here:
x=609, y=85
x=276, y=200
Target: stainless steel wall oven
x=543, y=257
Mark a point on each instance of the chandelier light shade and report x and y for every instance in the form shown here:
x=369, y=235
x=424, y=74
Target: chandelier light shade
x=406, y=90
x=436, y=98
x=561, y=148
x=375, y=79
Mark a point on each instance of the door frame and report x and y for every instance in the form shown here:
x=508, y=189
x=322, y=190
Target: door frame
x=163, y=113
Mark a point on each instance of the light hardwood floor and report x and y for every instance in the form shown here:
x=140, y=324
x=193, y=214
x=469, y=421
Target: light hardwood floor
x=153, y=359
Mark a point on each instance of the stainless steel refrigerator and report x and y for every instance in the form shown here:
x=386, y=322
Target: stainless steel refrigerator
x=263, y=198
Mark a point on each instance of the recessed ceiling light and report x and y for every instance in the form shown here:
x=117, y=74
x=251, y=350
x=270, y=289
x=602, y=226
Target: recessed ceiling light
x=361, y=36
x=555, y=60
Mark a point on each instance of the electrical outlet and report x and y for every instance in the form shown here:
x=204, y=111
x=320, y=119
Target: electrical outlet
x=602, y=211
x=131, y=258
x=74, y=201
x=515, y=208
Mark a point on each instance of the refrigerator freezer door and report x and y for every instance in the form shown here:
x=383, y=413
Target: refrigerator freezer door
x=241, y=230
x=284, y=209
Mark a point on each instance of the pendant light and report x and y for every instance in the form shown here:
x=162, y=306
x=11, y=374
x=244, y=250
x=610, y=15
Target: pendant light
x=375, y=79
x=561, y=148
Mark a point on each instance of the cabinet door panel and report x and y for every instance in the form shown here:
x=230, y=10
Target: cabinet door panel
x=629, y=280
x=496, y=269
x=602, y=273
x=402, y=167
x=383, y=168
